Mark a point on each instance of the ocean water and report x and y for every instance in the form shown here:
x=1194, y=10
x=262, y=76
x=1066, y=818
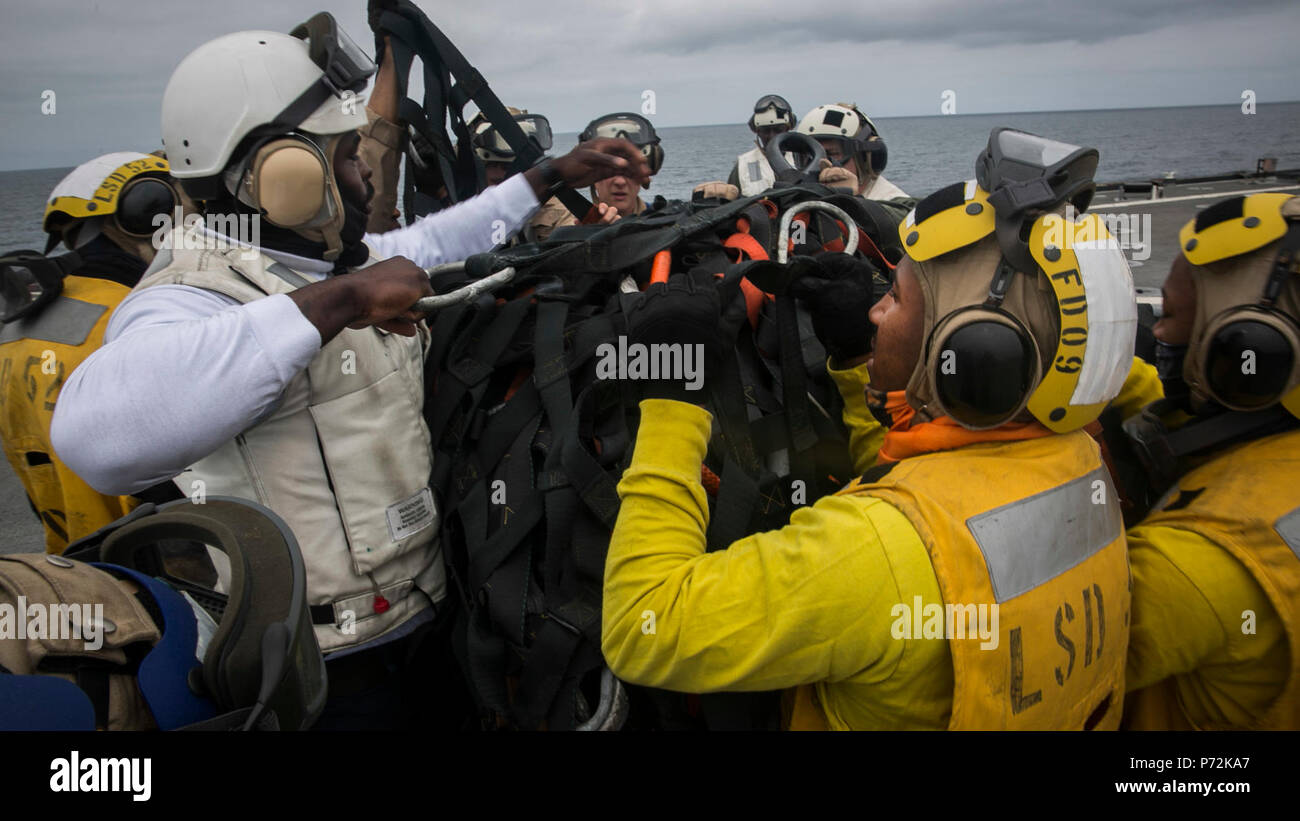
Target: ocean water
x=925, y=153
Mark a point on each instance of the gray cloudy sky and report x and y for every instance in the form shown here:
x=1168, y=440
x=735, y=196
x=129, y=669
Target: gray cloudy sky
x=706, y=60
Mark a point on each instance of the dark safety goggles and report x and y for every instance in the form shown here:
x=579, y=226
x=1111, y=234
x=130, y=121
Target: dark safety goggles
x=773, y=101
x=143, y=199
x=536, y=128
x=839, y=150
x=631, y=127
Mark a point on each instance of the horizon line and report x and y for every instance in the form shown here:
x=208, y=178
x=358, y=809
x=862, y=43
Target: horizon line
x=895, y=117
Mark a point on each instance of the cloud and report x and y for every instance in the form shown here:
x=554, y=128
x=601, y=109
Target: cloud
x=109, y=61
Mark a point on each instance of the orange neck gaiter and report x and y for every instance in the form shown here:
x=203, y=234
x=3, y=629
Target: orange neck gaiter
x=906, y=439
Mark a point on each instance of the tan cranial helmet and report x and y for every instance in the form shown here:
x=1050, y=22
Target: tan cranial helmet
x=1050, y=340
x=959, y=280
x=1244, y=349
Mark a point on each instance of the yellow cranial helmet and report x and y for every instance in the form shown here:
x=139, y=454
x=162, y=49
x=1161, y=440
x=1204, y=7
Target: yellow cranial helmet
x=1029, y=307
x=126, y=185
x=1244, y=350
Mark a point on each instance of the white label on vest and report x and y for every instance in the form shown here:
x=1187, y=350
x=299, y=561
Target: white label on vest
x=411, y=515
x=1288, y=527
x=206, y=625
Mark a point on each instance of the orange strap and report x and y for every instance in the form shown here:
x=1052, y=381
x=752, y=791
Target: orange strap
x=754, y=298
x=660, y=267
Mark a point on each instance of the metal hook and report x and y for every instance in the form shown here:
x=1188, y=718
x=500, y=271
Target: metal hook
x=429, y=304
x=611, y=712
x=783, y=238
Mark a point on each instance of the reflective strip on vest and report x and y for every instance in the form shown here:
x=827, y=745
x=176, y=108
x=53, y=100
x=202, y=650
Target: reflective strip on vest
x=64, y=321
x=754, y=173
x=1288, y=527
x=1019, y=533
x=1068, y=527
x=288, y=275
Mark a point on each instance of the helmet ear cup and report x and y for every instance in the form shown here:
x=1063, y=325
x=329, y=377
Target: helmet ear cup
x=1251, y=358
x=655, y=156
x=983, y=365
x=289, y=181
x=877, y=155
x=140, y=201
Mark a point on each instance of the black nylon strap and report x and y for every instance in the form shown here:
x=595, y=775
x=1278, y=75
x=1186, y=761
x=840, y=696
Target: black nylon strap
x=794, y=379
x=472, y=85
x=93, y=681
x=551, y=371
x=322, y=613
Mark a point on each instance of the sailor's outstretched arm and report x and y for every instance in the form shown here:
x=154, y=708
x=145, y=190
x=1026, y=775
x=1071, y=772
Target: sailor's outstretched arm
x=469, y=227
x=479, y=223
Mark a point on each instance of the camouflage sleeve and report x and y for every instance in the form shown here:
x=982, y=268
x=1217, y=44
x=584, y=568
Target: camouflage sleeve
x=382, y=143
x=553, y=214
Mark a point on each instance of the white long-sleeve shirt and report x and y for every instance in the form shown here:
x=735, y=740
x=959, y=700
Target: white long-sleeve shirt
x=184, y=370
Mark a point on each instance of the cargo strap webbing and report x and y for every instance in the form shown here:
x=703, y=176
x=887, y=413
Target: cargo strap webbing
x=550, y=446
x=412, y=34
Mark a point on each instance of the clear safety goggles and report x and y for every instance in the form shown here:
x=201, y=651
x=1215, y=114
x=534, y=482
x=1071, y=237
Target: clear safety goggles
x=536, y=128
x=345, y=65
x=1023, y=171
x=345, y=69
x=29, y=280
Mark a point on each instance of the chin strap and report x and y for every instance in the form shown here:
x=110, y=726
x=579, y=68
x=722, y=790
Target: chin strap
x=1165, y=454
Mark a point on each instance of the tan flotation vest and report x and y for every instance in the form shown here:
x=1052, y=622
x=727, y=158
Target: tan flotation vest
x=883, y=189
x=37, y=354
x=754, y=172
x=1246, y=502
x=1034, y=528
x=344, y=459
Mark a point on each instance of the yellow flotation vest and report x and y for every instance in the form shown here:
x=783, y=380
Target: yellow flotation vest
x=37, y=354
x=1245, y=501
x=1034, y=529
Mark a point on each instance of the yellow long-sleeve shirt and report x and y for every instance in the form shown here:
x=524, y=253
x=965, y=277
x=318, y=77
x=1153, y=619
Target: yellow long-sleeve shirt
x=866, y=435
x=810, y=603
x=1190, y=598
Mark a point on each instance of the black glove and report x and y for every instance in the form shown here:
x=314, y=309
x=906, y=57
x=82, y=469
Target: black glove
x=684, y=312
x=839, y=291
